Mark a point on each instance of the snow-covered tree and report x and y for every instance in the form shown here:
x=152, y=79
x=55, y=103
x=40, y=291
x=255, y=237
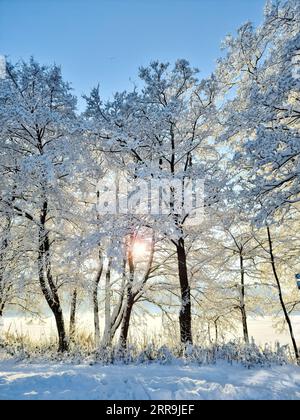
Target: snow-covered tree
x=163, y=132
x=37, y=119
x=262, y=72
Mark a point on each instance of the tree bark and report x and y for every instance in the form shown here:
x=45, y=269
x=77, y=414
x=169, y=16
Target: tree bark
x=1, y=324
x=96, y=303
x=72, y=328
x=117, y=320
x=117, y=314
x=242, y=301
x=133, y=295
x=185, y=316
x=2, y=306
x=282, y=303
x=4, y=290
x=209, y=333
x=126, y=322
x=129, y=298
x=60, y=324
x=216, y=330
x=47, y=284
x=107, y=337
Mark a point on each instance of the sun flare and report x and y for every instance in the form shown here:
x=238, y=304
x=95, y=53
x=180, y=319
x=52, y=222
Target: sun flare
x=139, y=249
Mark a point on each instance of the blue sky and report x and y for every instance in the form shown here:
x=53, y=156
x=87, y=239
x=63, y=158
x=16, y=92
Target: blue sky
x=106, y=41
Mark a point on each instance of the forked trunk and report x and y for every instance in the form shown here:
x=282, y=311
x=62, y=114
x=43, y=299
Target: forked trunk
x=47, y=284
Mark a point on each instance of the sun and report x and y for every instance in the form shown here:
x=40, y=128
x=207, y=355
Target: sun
x=139, y=249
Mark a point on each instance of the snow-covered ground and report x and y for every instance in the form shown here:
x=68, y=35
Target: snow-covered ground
x=146, y=382
x=20, y=380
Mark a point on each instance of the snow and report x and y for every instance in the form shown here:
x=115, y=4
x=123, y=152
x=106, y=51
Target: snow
x=260, y=328
x=24, y=381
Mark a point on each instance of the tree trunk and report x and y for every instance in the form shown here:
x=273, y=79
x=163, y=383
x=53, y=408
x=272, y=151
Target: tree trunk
x=285, y=311
x=242, y=301
x=130, y=297
x=95, y=302
x=2, y=305
x=209, y=333
x=133, y=295
x=72, y=328
x=1, y=325
x=117, y=321
x=4, y=290
x=216, y=330
x=185, y=317
x=126, y=323
x=117, y=314
x=60, y=324
x=107, y=336
x=47, y=284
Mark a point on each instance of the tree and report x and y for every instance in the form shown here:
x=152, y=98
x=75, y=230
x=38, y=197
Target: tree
x=135, y=287
x=241, y=250
x=37, y=120
x=279, y=288
x=275, y=258
x=262, y=119
x=163, y=133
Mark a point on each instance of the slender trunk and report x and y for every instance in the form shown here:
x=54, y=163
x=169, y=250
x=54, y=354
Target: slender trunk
x=107, y=337
x=216, y=331
x=1, y=324
x=4, y=289
x=209, y=333
x=185, y=317
x=72, y=328
x=284, y=309
x=95, y=302
x=1, y=319
x=129, y=298
x=133, y=295
x=126, y=322
x=118, y=312
x=2, y=305
x=242, y=300
x=117, y=321
x=47, y=284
